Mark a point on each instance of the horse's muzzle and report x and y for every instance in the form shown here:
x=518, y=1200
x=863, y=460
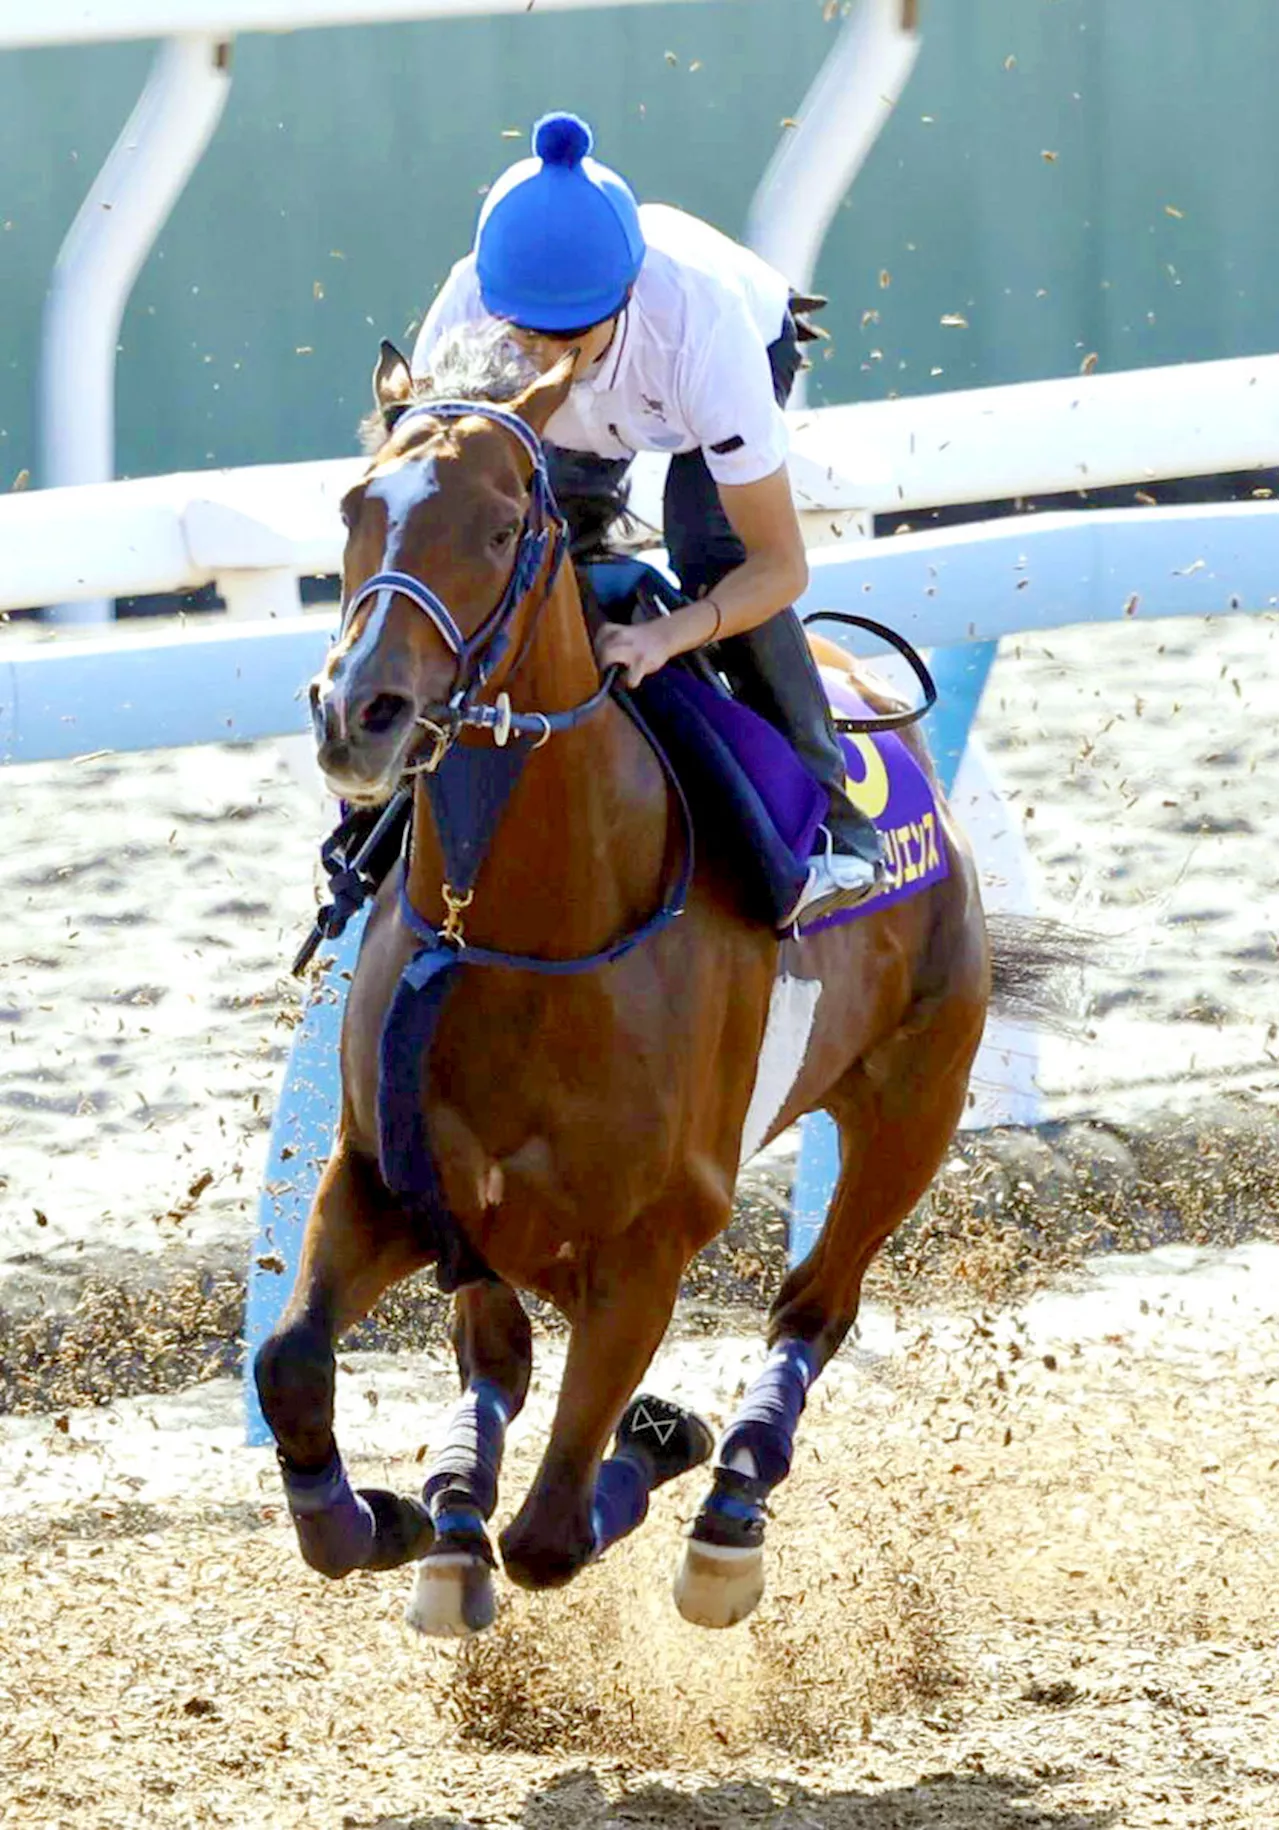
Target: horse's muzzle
x=361, y=738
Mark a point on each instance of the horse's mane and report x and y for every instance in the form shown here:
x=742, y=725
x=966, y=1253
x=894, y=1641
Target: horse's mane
x=486, y=365
x=466, y=364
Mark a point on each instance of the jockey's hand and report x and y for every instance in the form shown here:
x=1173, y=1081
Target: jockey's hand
x=640, y=649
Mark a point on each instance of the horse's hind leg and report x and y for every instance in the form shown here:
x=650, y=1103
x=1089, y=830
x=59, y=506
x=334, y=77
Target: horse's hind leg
x=897, y=1110
x=453, y=1596
x=356, y=1246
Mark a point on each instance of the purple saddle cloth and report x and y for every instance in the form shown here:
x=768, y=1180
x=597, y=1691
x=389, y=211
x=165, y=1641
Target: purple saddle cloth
x=756, y=803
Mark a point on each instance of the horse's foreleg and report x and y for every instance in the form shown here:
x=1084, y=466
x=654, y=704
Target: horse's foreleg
x=623, y=1308
x=897, y=1112
x=356, y=1246
x=454, y=1593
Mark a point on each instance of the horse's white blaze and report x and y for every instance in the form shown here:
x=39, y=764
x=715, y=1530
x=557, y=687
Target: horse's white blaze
x=400, y=487
x=370, y=635
x=401, y=484
x=793, y=1007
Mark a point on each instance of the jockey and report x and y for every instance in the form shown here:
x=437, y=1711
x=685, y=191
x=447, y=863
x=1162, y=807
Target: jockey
x=685, y=343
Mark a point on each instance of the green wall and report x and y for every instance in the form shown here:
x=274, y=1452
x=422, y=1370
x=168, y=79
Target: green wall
x=347, y=169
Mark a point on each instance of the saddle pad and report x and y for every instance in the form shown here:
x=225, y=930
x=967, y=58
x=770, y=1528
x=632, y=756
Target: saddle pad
x=887, y=783
x=755, y=802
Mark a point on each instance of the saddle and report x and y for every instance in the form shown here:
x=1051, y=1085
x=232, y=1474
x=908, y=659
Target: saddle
x=754, y=803
x=755, y=806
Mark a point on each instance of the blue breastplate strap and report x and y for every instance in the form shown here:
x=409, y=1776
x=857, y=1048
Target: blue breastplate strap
x=672, y=905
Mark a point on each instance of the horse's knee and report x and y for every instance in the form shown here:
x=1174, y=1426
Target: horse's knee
x=294, y=1374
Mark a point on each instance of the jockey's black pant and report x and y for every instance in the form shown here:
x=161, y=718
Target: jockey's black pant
x=770, y=668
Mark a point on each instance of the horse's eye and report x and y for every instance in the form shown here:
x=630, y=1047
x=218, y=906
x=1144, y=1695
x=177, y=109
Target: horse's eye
x=504, y=536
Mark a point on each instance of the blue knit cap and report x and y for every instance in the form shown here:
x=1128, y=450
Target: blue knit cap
x=558, y=244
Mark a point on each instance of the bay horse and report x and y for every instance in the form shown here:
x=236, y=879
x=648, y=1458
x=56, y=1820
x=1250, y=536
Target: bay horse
x=587, y=1088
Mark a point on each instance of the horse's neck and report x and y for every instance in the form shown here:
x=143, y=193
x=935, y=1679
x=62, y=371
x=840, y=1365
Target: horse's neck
x=579, y=855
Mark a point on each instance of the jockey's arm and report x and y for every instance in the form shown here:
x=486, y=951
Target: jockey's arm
x=773, y=575
x=775, y=572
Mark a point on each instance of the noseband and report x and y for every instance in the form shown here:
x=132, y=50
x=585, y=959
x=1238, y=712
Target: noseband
x=477, y=656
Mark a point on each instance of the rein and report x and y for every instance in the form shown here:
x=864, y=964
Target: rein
x=882, y=721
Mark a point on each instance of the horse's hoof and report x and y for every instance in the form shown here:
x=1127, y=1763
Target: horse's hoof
x=453, y=1597
x=403, y=1530
x=717, y=1585
x=532, y=1561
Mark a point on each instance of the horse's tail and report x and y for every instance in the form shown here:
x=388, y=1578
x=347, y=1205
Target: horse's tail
x=1037, y=970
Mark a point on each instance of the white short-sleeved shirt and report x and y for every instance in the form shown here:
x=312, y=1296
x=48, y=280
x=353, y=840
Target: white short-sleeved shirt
x=688, y=367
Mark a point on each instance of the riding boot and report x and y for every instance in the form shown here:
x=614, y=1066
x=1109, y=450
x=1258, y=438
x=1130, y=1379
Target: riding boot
x=772, y=670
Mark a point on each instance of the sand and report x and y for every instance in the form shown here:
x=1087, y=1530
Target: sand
x=1023, y=1575
x=1024, y=1572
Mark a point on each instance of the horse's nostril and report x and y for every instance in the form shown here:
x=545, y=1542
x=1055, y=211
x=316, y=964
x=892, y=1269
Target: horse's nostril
x=382, y=711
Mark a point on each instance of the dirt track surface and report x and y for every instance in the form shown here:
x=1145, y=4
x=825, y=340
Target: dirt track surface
x=1023, y=1575
x=1024, y=1572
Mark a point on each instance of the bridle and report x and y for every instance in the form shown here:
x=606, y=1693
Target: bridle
x=466, y=820
x=543, y=536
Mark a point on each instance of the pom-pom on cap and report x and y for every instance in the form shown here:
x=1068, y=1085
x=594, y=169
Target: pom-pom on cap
x=559, y=242
x=561, y=139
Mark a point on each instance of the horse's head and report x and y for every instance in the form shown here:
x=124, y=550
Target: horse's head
x=445, y=503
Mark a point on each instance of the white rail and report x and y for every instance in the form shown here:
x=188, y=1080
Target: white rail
x=143, y=177
x=172, y=533
x=47, y=22
x=839, y=121
x=1046, y=437
x=128, y=204
x=253, y=532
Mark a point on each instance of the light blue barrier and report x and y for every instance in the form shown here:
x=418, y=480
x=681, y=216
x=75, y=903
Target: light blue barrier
x=301, y=1139
x=203, y=684
x=991, y=579
x=135, y=689
x=960, y=675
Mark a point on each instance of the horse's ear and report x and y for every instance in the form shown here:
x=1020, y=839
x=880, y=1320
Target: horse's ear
x=547, y=394
x=392, y=383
